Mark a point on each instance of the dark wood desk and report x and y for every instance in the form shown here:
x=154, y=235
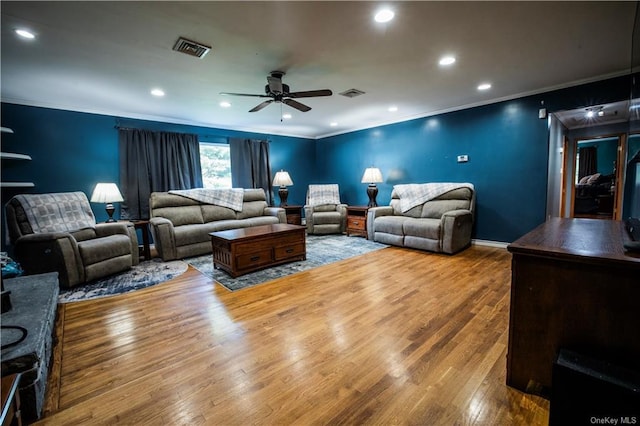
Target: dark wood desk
x=573, y=286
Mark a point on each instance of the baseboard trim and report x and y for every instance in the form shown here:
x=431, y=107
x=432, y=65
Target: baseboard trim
x=488, y=243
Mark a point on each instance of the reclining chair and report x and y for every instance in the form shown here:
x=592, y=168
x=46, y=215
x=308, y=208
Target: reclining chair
x=58, y=233
x=324, y=212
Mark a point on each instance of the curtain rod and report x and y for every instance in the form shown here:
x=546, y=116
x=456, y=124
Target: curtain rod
x=203, y=136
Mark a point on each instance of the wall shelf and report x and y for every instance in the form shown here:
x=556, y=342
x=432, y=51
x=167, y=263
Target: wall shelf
x=14, y=156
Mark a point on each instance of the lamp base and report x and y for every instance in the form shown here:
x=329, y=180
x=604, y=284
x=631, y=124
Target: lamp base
x=283, y=192
x=372, y=192
x=110, y=209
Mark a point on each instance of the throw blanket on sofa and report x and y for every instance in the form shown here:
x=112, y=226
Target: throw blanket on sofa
x=414, y=194
x=231, y=198
x=59, y=212
x=320, y=195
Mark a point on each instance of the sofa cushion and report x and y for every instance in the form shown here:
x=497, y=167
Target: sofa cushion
x=212, y=213
x=423, y=228
x=324, y=218
x=254, y=194
x=183, y=215
x=84, y=234
x=252, y=209
x=457, y=194
x=191, y=234
x=397, y=210
x=436, y=208
x=261, y=220
x=325, y=208
x=390, y=224
x=100, y=249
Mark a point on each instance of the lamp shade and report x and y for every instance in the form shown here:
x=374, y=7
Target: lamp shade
x=282, y=178
x=372, y=175
x=106, y=193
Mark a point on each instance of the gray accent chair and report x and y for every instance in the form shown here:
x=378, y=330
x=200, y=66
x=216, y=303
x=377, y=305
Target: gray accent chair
x=324, y=212
x=442, y=224
x=180, y=225
x=58, y=233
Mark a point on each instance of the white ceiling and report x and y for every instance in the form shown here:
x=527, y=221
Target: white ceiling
x=105, y=57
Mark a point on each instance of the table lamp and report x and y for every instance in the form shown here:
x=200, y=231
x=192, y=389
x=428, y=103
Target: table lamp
x=282, y=179
x=372, y=175
x=107, y=193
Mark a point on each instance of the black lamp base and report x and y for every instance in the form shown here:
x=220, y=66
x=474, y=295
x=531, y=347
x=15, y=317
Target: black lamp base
x=372, y=192
x=110, y=209
x=283, y=192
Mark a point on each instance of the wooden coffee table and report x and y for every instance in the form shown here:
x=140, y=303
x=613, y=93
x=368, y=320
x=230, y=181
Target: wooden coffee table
x=239, y=251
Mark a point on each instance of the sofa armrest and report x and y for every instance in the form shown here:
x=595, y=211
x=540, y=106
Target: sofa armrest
x=374, y=212
x=51, y=252
x=164, y=237
x=279, y=212
x=456, y=230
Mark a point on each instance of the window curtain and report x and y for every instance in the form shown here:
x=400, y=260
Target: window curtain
x=250, y=167
x=588, y=164
x=155, y=161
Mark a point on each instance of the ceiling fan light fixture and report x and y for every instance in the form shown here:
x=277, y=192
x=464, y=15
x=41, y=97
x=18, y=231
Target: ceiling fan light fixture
x=286, y=116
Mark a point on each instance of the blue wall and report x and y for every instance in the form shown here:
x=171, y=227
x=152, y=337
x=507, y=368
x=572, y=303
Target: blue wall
x=506, y=142
x=72, y=151
x=507, y=162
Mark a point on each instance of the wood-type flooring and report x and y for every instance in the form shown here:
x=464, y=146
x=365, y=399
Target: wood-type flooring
x=395, y=336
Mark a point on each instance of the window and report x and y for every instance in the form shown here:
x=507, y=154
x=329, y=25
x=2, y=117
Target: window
x=216, y=165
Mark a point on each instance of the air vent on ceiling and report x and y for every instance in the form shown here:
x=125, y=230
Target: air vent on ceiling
x=352, y=93
x=191, y=47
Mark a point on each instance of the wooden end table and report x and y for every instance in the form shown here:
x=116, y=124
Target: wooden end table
x=244, y=250
x=357, y=220
x=294, y=214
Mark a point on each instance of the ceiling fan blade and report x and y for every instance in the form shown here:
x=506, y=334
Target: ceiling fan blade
x=311, y=93
x=262, y=105
x=245, y=94
x=275, y=84
x=297, y=105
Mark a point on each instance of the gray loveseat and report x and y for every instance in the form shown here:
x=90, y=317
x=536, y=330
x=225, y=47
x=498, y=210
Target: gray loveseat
x=442, y=223
x=181, y=225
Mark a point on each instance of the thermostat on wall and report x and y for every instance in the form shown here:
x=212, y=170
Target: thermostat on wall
x=463, y=158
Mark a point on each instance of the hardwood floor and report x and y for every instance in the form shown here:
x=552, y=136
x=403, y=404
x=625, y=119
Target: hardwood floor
x=391, y=337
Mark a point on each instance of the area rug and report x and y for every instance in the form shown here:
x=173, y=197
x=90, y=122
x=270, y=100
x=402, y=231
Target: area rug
x=143, y=275
x=321, y=250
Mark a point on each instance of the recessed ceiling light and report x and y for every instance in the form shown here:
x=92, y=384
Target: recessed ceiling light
x=392, y=108
x=286, y=116
x=384, y=15
x=333, y=124
x=25, y=34
x=157, y=92
x=484, y=86
x=589, y=114
x=447, y=60
x=225, y=104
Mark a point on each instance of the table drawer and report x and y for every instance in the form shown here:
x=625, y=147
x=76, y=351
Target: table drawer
x=356, y=223
x=255, y=259
x=285, y=252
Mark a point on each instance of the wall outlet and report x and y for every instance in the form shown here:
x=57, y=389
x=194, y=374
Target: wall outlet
x=463, y=158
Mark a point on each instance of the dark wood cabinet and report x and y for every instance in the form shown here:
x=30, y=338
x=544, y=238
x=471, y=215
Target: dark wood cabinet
x=573, y=287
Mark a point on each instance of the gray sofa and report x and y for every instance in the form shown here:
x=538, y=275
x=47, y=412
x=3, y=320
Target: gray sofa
x=58, y=232
x=180, y=226
x=440, y=224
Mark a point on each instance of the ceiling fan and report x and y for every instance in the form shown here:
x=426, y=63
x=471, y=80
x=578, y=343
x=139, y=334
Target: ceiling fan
x=279, y=92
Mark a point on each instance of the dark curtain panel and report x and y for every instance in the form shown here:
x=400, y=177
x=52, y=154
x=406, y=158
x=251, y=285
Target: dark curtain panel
x=250, y=167
x=155, y=161
x=588, y=163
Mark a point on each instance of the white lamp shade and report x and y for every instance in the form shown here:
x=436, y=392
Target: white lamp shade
x=282, y=178
x=372, y=175
x=106, y=193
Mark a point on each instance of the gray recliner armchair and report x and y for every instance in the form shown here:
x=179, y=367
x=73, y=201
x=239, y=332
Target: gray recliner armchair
x=58, y=233
x=324, y=212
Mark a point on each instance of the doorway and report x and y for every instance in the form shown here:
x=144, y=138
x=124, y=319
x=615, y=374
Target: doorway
x=595, y=173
